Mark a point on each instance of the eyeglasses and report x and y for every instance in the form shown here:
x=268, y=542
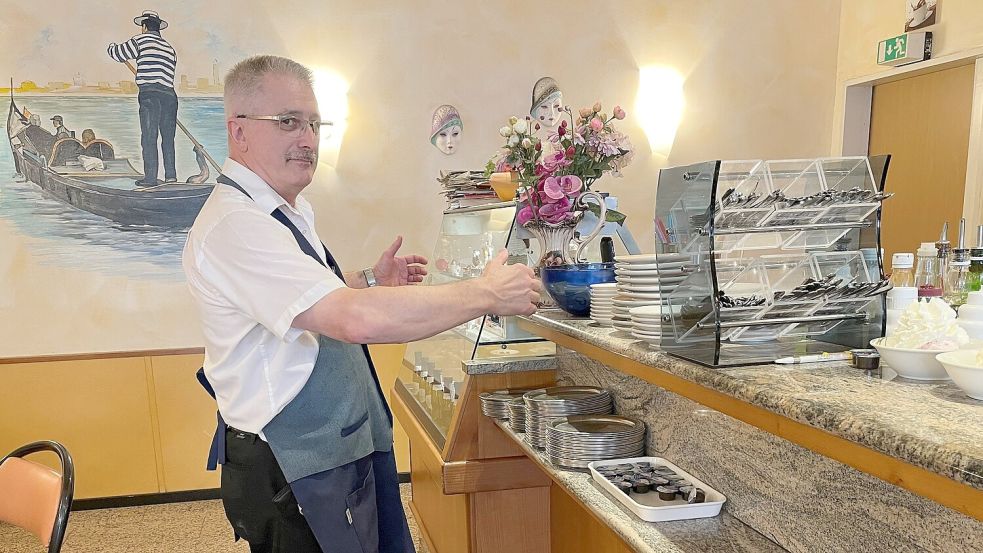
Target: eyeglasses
x=290, y=123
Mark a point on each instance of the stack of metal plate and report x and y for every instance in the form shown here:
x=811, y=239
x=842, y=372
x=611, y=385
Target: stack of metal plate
x=517, y=414
x=496, y=404
x=575, y=441
x=542, y=406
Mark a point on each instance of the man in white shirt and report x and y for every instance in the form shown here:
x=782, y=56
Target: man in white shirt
x=308, y=443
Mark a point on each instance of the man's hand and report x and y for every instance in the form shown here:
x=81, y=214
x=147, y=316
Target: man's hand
x=393, y=270
x=515, y=288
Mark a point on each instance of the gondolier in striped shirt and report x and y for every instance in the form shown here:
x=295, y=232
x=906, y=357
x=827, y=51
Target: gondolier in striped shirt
x=156, y=65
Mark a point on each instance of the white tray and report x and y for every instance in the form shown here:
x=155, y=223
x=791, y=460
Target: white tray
x=649, y=507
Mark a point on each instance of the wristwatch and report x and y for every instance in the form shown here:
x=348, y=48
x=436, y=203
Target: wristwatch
x=369, y=277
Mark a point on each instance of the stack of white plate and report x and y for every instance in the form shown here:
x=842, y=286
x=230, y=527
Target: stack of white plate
x=646, y=323
x=517, y=414
x=542, y=406
x=573, y=442
x=601, y=306
x=642, y=281
x=496, y=404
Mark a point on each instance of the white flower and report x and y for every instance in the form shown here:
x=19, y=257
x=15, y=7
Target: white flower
x=505, y=131
x=513, y=140
x=512, y=120
x=526, y=143
x=521, y=126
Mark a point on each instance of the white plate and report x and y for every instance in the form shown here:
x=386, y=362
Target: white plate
x=637, y=303
x=650, y=293
x=641, y=288
x=637, y=280
x=604, y=295
x=650, y=274
x=649, y=507
x=647, y=311
x=650, y=257
x=652, y=330
x=650, y=296
x=635, y=258
x=650, y=266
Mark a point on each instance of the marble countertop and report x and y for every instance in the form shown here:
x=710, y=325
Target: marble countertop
x=720, y=533
x=933, y=425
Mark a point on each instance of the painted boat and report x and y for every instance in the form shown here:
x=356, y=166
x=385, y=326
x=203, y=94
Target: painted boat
x=54, y=165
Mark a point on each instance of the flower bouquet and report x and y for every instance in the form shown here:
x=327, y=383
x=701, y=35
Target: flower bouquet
x=555, y=176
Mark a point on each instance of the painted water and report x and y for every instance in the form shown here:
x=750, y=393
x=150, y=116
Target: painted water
x=61, y=235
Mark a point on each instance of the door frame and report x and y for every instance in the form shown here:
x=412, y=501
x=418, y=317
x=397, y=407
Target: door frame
x=855, y=118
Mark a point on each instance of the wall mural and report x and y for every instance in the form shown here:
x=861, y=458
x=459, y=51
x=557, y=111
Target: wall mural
x=109, y=186
x=446, y=128
x=101, y=177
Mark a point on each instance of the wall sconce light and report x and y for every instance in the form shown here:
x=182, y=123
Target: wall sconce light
x=659, y=105
x=331, y=91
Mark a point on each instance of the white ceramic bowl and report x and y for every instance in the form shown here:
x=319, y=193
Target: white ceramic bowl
x=916, y=364
x=961, y=366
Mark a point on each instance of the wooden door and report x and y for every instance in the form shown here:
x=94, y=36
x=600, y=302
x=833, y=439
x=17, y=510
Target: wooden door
x=923, y=122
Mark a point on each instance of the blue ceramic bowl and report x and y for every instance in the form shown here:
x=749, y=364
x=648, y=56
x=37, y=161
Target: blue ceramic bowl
x=569, y=285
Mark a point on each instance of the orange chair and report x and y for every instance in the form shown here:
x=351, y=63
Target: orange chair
x=36, y=498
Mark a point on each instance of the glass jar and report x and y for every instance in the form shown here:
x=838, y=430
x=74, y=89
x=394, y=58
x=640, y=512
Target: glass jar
x=957, y=278
x=928, y=273
x=902, y=272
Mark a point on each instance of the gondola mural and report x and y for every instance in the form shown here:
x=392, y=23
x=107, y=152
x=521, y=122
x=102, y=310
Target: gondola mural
x=90, y=240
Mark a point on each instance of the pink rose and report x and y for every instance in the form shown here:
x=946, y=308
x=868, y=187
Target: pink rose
x=619, y=113
x=585, y=112
x=597, y=107
x=525, y=215
x=596, y=124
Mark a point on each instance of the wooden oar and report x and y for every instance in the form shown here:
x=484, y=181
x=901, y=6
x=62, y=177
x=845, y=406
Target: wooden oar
x=197, y=144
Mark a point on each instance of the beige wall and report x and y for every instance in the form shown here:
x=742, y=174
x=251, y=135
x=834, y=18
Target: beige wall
x=864, y=24
x=752, y=90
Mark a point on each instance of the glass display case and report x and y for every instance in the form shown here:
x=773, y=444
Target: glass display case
x=433, y=371
x=784, y=257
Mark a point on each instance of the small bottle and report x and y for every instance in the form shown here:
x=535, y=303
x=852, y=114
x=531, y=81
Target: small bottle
x=975, y=281
x=955, y=286
x=956, y=279
x=607, y=250
x=902, y=273
x=928, y=276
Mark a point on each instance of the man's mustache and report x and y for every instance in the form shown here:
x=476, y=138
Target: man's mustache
x=303, y=155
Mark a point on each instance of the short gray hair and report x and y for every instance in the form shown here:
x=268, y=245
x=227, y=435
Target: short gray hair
x=245, y=77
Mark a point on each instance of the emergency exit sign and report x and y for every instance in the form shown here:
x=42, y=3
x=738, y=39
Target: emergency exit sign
x=904, y=49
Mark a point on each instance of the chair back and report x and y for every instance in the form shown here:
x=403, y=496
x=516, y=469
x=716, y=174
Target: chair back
x=35, y=497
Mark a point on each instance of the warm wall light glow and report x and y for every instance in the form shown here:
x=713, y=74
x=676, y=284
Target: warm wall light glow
x=331, y=90
x=659, y=105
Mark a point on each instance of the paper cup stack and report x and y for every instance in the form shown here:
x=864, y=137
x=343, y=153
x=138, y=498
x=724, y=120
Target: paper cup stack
x=601, y=306
x=646, y=323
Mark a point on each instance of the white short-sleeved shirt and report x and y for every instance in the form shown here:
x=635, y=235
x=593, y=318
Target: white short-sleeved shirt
x=250, y=279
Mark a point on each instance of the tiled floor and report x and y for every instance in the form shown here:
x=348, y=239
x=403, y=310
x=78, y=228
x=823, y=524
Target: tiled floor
x=194, y=527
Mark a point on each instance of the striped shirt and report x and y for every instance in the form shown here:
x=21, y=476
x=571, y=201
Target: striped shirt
x=156, y=58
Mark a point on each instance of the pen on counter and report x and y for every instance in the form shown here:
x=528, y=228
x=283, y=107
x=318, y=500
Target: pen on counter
x=825, y=356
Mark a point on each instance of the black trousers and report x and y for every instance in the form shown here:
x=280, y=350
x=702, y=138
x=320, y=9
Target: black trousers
x=258, y=501
x=158, y=116
x=354, y=508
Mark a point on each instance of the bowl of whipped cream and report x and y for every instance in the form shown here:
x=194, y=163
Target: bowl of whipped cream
x=924, y=330
x=966, y=369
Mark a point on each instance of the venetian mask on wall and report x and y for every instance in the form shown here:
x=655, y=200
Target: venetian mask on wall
x=446, y=129
x=547, y=102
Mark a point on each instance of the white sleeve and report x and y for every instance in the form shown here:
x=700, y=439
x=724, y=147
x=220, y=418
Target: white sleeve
x=254, y=262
